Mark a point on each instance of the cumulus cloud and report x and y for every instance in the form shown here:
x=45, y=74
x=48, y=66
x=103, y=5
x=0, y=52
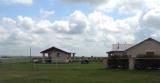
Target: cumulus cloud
x=24, y=31
x=16, y=1
x=76, y=24
x=102, y=21
x=25, y=22
x=43, y=26
x=93, y=30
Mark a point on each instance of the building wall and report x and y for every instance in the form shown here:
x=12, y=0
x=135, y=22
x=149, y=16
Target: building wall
x=142, y=48
x=59, y=56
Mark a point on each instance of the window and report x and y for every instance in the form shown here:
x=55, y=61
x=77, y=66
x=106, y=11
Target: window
x=58, y=54
x=149, y=53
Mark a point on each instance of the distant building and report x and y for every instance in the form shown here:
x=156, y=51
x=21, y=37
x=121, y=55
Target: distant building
x=56, y=55
x=146, y=47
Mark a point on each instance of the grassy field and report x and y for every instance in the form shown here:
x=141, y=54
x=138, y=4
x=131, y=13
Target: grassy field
x=72, y=73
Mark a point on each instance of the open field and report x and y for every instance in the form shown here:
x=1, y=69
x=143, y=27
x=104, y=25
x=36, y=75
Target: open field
x=72, y=73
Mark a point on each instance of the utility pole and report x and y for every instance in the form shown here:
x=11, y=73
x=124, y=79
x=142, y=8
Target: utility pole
x=31, y=57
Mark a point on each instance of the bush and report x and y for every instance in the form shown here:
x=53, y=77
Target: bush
x=84, y=61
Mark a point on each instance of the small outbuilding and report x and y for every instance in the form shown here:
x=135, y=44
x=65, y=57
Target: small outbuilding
x=56, y=55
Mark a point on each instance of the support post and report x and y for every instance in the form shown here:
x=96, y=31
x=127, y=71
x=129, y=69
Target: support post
x=131, y=62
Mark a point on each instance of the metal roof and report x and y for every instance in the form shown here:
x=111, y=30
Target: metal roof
x=121, y=47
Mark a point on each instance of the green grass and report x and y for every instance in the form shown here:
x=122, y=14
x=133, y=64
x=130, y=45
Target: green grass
x=72, y=73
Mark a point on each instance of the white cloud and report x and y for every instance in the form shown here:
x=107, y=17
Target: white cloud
x=43, y=26
x=102, y=21
x=25, y=22
x=61, y=26
x=16, y=1
x=3, y=34
x=8, y=20
x=24, y=31
x=46, y=13
x=28, y=24
x=76, y=24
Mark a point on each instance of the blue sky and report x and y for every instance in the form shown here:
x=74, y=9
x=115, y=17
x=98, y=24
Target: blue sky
x=60, y=8
x=87, y=27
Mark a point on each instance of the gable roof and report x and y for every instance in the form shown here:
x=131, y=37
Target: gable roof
x=143, y=42
x=53, y=48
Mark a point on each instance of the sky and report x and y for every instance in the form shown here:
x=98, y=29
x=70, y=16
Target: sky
x=86, y=27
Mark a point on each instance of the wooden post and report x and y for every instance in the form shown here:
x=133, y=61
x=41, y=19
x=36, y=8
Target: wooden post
x=43, y=58
x=105, y=63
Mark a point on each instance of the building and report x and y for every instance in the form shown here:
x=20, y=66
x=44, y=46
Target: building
x=56, y=55
x=146, y=47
